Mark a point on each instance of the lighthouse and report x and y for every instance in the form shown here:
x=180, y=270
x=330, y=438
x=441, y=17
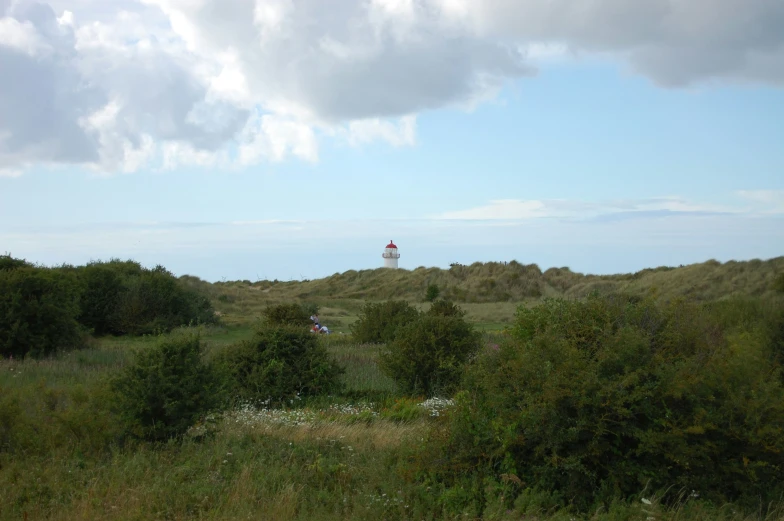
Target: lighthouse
x=390, y=255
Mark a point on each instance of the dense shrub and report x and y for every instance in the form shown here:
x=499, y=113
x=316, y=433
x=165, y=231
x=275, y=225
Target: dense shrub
x=9, y=263
x=378, y=322
x=599, y=399
x=38, y=309
x=166, y=390
x=292, y=314
x=155, y=302
x=432, y=292
x=279, y=364
x=427, y=355
x=122, y=297
x=100, y=300
x=445, y=308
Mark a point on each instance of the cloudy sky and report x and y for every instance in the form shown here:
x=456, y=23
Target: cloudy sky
x=245, y=139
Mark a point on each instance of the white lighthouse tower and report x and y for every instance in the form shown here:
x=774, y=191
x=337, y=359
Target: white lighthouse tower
x=390, y=255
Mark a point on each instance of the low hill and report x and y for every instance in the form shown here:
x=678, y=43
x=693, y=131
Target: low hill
x=516, y=282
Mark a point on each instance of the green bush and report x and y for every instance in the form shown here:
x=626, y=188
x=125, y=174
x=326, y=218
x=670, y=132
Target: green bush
x=154, y=301
x=286, y=315
x=279, y=364
x=427, y=356
x=101, y=297
x=445, y=308
x=9, y=263
x=432, y=292
x=378, y=322
x=601, y=399
x=166, y=390
x=38, y=309
x=778, y=283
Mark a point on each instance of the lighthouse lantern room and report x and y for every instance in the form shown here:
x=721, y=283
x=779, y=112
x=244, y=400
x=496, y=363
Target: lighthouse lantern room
x=390, y=255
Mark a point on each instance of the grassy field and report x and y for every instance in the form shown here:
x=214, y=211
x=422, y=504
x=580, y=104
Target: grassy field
x=335, y=457
x=340, y=457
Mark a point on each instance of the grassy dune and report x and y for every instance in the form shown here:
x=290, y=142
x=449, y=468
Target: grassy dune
x=489, y=292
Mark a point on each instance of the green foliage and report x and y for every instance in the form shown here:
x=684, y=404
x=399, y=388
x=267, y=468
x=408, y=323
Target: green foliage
x=778, y=284
x=279, y=364
x=38, y=309
x=117, y=297
x=155, y=302
x=432, y=292
x=9, y=263
x=166, y=390
x=597, y=400
x=103, y=287
x=291, y=314
x=122, y=297
x=427, y=356
x=445, y=308
x=378, y=322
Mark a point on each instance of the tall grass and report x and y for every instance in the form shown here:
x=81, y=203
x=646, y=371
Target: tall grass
x=362, y=372
x=496, y=282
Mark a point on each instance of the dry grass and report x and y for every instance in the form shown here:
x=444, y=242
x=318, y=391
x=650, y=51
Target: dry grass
x=505, y=285
x=378, y=434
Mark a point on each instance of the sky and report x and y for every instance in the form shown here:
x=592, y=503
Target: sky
x=292, y=139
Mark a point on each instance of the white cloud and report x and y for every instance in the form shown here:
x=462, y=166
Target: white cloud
x=258, y=80
x=512, y=209
x=765, y=201
x=518, y=209
x=7, y=172
x=20, y=36
x=367, y=130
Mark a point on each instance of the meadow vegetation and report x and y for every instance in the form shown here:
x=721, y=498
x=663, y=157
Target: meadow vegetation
x=127, y=393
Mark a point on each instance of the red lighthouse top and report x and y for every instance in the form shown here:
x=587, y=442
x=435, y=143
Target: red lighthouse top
x=391, y=245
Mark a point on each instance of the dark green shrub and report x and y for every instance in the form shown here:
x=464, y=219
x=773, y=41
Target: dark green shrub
x=428, y=355
x=286, y=315
x=279, y=364
x=378, y=322
x=155, y=302
x=38, y=309
x=599, y=399
x=445, y=308
x=166, y=390
x=432, y=292
x=101, y=297
x=9, y=263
